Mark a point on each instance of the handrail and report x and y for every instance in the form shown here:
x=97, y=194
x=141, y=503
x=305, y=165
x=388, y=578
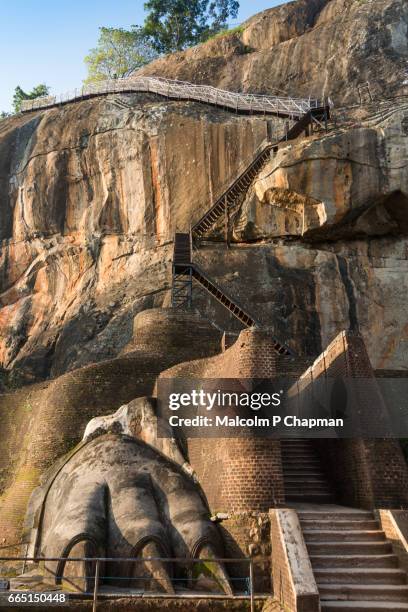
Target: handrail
x=199, y=272
x=182, y=90
x=231, y=185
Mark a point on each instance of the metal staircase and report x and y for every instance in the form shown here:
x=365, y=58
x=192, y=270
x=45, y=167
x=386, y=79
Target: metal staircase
x=231, y=198
x=185, y=271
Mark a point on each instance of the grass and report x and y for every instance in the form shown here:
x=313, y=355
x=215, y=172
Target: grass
x=227, y=32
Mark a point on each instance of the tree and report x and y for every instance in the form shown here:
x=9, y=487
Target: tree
x=119, y=52
x=173, y=25
x=36, y=92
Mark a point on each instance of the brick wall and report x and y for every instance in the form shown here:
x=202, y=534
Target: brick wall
x=247, y=534
x=241, y=474
x=395, y=526
x=294, y=585
x=366, y=473
x=238, y=474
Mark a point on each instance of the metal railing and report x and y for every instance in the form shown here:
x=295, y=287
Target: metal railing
x=181, y=90
x=97, y=577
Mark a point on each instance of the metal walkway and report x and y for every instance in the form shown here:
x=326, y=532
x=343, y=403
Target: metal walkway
x=293, y=108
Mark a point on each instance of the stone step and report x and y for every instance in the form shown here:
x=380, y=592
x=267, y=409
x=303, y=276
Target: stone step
x=299, y=452
x=362, y=606
x=339, y=525
x=358, y=561
x=301, y=463
x=299, y=457
x=310, y=497
x=305, y=443
x=304, y=448
x=313, y=535
x=306, y=487
x=320, y=497
x=313, y=473
x=305, y=478
x=313, y=493
x=360, y=575
x=322, y=561
x=295, y=472
x=364, y=592
x=329, y=515
x=351, y=548
x=305, y=482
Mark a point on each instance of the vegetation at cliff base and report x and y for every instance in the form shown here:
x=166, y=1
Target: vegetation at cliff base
x=36, y=92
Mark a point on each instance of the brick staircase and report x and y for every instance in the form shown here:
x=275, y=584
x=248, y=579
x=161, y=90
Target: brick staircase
x=304, y=477
x=353, y=563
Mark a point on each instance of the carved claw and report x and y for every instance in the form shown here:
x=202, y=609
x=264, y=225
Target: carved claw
x=207, y=573
x=152, y=575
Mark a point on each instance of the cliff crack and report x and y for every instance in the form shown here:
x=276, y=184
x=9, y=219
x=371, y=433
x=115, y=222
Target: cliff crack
x=335, y=158
x=72, y=148
x=349, y=289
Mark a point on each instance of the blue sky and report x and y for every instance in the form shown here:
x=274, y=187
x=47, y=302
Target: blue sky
x=46, y=40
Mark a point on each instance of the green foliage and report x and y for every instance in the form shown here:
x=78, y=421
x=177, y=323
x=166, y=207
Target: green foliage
x=173, y=25
x=36, y=92
x=119, y=52
x=227, y=32
x=4, y=115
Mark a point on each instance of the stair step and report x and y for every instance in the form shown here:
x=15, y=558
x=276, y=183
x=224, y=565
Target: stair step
x=352, y=548
x=324, y=498
x=321, y=535
x=289, y=444
x=330, y=515
x=304, y=465
x=295, y=473
x=299, y=452
x=358, y=592
x=305, y=479
x=362, y=606
x=339, y=525
x=322, y=561
x=286, y=458
x=305, y=487
x=360, y=575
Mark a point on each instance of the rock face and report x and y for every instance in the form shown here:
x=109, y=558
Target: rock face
x=90, y=196
x=317, y=47
x=361, y=189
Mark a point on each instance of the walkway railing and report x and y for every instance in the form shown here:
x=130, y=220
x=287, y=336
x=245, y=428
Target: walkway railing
x=97, y=566
x=180, y=90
